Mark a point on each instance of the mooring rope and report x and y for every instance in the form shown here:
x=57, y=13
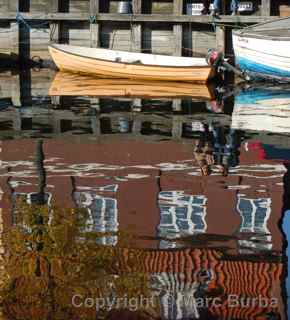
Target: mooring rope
x=93, y=19
x=20, y=19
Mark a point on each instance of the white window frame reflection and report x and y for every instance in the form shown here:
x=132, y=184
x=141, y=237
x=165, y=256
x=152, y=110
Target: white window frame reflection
x=170, y=205
x=98, y=219
x=177, y=297
x=262, y=240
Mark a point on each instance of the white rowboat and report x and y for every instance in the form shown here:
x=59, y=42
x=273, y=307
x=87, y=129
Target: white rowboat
x=264, y=49
x=129, y=65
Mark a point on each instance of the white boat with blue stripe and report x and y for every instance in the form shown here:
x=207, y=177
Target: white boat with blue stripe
x=264, y=49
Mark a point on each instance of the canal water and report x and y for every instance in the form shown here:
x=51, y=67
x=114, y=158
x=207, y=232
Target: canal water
x=143, y=202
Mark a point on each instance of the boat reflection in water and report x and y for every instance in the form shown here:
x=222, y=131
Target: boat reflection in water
x=69, y=84
x=263, y=109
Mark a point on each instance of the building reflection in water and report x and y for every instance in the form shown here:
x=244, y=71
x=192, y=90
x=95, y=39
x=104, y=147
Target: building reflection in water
x=180, y=273
x=203, y=195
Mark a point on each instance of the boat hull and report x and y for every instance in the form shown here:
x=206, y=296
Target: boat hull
x=66, y=61
x=263, y=56
x=70, y=84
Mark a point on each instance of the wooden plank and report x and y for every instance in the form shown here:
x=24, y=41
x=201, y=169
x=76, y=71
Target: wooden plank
x=17, y=121
x=177, y=7
x=136, y=37
x=183, y=18
x=54, y=27
x=115, y=36
x=177, y=28
x=159, y=40
x=177, y=31
x=94, y=35
x=54, y=6
x=95, y=104
x=137, y=6
x=56, y=124
x=13, y=5
x=15, y=90
x=137, y=126
x=4, y=5
x=14, y=38
x=201, y=40
x=94, y=25
x=80, y=6
x=56, y=100
x=38, y=5
x=176, y=130
x=266, y=7
x=10, y=16
x=136, y=29
x=165, y=8
x=220, y=38
x=94, y=7
x=177, y=105
x=95, y=122
x=55, y=32
x=77, y=34
x=136, y=105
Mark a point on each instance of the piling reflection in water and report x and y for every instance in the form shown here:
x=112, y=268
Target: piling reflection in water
x=151, y=222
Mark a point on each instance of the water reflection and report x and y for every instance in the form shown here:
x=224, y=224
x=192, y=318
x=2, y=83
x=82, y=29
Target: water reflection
x=262, y=109
x=66, y=84
x=217, y=147
x=286, y=230
x=168, y=199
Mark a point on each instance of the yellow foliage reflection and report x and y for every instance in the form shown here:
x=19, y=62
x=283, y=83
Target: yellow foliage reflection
x=50, y=259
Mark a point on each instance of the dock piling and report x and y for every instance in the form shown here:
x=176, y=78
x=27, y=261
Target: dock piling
x=94, y=25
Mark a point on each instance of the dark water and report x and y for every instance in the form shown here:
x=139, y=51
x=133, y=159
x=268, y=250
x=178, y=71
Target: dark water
x=152, y=208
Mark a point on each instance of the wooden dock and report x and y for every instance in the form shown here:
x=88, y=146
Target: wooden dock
x=28, y=26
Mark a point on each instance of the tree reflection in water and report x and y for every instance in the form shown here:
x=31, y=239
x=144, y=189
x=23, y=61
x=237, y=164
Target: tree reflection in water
x=50, y=259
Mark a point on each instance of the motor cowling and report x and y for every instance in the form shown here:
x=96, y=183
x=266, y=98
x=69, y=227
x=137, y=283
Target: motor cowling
x=214, y=58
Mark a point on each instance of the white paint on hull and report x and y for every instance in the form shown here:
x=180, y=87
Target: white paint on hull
x=267, y=52
x=132, y=57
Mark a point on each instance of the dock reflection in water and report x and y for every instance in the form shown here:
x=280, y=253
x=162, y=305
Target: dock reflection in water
x=170, y=201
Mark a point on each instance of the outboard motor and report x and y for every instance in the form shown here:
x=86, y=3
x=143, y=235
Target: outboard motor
x=216, y=60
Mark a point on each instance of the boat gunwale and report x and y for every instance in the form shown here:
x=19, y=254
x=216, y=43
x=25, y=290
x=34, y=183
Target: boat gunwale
x=131, y=64
x=258, y=36
x=252, y=27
